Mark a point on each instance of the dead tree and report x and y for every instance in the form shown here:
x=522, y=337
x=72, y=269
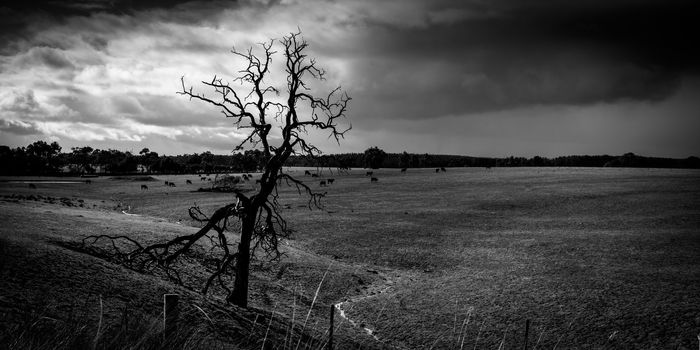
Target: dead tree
x=255, y=108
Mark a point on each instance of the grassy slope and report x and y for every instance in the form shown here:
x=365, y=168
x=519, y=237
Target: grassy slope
x=41, y=279
x=594, y=257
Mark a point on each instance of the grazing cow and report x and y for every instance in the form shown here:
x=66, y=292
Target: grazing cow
x=245, y=177
x=437, y=170
x=188, y=182
x=306, y=172
x=144, y=187
x=314, y=175
x=171, y=184
x=443, y=170
x=167, y=183
x=88, y=181
x=403, y=170
x=208, y=179
x=369, y=173
x=32, y=186
x=330, y=181
x=249, y=175
x=322, y=183
x=374, y=179
x=203, y=178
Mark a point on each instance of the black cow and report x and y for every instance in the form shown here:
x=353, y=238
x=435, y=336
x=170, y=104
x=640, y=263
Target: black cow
x=322, y=183
x=306, y=172
x=443, y=170
x=171, y=184
x=369, y=173
x=167, y=183
x=144, y=187
x=374, y=179
x=403, y=170
x=437, y=170
x=188, y=182
x=330, y=181
x=314, y=175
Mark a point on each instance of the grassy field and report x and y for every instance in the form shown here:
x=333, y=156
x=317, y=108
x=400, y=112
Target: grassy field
x=594, y=258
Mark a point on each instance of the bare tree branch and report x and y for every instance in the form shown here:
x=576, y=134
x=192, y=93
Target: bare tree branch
x=255, y=108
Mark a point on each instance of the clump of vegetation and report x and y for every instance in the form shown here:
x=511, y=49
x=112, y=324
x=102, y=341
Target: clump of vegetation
x=134, y=178
x=227, y=181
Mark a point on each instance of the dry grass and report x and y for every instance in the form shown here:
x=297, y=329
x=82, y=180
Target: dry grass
x=593, y=257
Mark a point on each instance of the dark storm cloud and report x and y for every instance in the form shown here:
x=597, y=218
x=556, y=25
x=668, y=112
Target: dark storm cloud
x=19, y=19
x=60, y=8
x=511, y=54
x=647, y=32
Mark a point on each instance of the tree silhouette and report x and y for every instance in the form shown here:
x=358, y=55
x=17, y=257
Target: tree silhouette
x=374, y=157
x=257, y=216
x=42, y=158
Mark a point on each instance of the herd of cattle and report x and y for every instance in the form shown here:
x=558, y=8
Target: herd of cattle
x=369, y=173
x=322, y=183
x=248, y=177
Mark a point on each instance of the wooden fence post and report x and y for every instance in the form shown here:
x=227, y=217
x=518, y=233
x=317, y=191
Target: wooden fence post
x=170, y=315
x=330, y=329
x=527, y=330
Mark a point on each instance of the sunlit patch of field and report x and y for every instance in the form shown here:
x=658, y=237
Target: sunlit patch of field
x=592, y=257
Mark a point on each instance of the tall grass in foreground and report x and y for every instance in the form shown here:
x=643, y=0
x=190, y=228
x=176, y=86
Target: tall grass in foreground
x=90, y=328
x=40, y=332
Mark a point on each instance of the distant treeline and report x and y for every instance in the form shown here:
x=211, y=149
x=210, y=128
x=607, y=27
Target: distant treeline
x=410, y=160
x=42, y=158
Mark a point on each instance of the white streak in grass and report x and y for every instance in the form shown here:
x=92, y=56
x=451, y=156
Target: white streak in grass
x=272, y=315
x=99, y=326
x=303, y=328
x=205, y=314
x=339, y=307
x=465, y=324
x=479, y=333
x=538, y=339
x=504, y=338
x=290, y=329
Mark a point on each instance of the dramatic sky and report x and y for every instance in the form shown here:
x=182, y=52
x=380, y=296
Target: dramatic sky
x=472, y=77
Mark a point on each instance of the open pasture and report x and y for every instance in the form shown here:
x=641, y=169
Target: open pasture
x=594, y=258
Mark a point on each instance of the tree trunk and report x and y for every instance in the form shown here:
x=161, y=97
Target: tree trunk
x=239, y=295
